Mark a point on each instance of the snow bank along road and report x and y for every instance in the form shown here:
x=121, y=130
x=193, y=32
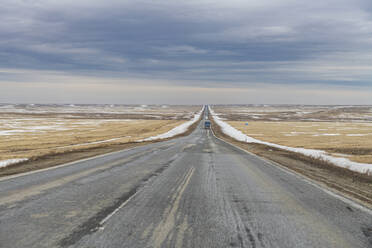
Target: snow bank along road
x=177, y=130
x=341, y=162
x=193, y=191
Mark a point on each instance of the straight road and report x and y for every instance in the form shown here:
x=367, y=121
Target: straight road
x=194, y=191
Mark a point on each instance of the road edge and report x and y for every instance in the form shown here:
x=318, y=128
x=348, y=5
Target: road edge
x=337, y=194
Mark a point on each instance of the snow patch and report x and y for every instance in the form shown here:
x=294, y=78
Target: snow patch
x=356, y=134
x=14, y=132
x=327, y=134
x=5, y=163
x=175, y=131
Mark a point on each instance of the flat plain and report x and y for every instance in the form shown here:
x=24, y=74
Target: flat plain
x=33, y=131
x=342, y=131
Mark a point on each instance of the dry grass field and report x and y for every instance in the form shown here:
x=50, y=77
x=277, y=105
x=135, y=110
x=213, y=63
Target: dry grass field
x=295, y=113
x=84, y=111
x=37, y=137
x=29, y=131
x=351, y=140
x=344, y=131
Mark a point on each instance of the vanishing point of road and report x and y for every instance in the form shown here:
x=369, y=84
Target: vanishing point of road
x=193, y=191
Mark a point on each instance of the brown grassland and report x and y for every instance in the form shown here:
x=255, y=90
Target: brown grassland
x=76, y=134
x=342, y=131
x=352, y=140
x=49, y=135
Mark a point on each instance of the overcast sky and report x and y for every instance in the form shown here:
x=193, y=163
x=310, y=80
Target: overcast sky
x=195, y=51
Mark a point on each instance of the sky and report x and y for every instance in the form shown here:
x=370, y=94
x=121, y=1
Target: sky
x=186, y=52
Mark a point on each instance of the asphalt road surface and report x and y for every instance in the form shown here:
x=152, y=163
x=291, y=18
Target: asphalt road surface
x=194, y=191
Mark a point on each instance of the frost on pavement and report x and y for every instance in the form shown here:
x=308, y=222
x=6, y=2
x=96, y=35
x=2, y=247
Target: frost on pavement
x=175, y=131
x=341, y=162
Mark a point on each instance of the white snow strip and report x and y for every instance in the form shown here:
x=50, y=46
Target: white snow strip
x=30, y=130
x=357, y=134
x=15, y=131
x=341, y=162
x=5, y=163
x=175, y=131
x=327, y=134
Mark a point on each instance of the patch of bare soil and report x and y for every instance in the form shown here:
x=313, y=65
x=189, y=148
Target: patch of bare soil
x=352, y=184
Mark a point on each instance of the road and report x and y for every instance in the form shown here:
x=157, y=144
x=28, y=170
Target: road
x=194, y=191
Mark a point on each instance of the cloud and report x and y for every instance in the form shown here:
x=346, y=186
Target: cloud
x=204, y=43
x=184, y=49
